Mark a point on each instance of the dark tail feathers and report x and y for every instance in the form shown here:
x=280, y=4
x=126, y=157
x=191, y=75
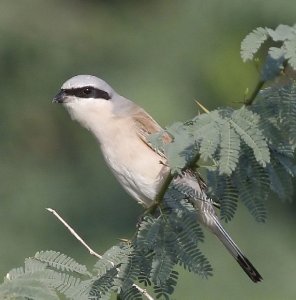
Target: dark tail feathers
x=230, y=245
x=249, y=269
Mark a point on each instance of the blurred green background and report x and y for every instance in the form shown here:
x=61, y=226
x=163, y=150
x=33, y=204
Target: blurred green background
x=163, y=55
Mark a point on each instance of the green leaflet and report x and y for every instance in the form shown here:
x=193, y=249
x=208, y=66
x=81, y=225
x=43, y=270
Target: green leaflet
x=209, y=142
x=60, y=261
x=253, y=185
x=228, y=197
x=279, y=173
x=229, y=152
x=290, y=54
x=274, y=62
x=206, y=133
x=182, y=149
x=282, y=33
x=279, y=105
x=131, y=293
x=161, y=268
x=252, y=42
x=42, y=282
x=163, y=291
x=245, y=124
x=27, y=288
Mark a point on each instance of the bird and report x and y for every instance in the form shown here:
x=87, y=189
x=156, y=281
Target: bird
x=122, y=128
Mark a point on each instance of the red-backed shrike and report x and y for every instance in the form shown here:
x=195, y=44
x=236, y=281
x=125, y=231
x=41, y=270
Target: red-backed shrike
x=121, y=127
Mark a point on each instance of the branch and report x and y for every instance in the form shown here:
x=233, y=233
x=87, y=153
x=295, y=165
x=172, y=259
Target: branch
x=91, y=251
x=73, y=232
x=164, y=188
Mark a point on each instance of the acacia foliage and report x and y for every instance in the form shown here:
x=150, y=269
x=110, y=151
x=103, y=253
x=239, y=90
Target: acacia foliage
x=246, y=153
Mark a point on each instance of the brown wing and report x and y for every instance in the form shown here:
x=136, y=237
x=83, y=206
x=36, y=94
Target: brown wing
x=146, y=125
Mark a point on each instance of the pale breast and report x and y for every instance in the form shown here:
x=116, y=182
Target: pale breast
x=137, y=167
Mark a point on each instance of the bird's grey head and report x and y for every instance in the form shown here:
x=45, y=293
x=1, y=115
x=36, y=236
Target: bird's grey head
x=82, y=87
x=92, y=102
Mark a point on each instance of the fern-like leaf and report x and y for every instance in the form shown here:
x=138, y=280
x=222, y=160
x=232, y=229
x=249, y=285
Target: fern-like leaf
x=288, y=104
x=253, y=185
x=15, y=273
x=282, y=33
x=280, y=103
x=145, y=268
x=182, y=149
x=103, y=286
x=291, y=52
x=66, y=284
x=163, y=291
x=245, y=124
x=252, y=42
x=206, y=132
x=286, y=161
x=276, y=53
x=112, y=258
x=281, y=181
x=61, y=262
x=98, y=287
x=162, y=265
x=26, y=288
x=148, y=233
x=129, y=270
x=230, y=146
x=33, y=265
x=209, y=143
x=131, y=294
x=228, y=199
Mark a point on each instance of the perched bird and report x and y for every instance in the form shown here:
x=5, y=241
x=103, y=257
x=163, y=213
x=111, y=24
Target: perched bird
x=121, y=127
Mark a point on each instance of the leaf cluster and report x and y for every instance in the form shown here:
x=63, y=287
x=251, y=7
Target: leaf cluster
x=246, y=152
x=162, y=241
x=283, y=48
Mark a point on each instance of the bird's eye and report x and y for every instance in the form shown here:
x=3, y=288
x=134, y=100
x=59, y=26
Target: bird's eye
x=87, y=91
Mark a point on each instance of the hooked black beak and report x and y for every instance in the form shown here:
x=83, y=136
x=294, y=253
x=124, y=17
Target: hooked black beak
x=60, y=97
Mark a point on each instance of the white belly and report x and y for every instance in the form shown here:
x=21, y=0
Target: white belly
x=140, y=170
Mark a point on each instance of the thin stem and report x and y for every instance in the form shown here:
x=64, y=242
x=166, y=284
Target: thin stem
x=260, y=84
x=74, y=233
x=91, y=251
x=202, y=107
x=164, y=188
x=191, y=165
x=151, y=209
x=256, y=91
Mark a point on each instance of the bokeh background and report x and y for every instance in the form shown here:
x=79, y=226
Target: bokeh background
x=163, y=55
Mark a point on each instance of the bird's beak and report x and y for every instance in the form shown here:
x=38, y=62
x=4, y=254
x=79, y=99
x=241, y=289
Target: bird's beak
x=60, y=97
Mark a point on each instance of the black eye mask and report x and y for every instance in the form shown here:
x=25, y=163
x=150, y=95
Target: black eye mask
x=87, y=92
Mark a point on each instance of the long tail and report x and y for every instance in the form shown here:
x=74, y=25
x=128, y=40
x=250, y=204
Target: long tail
x=207, y=216
x=230, y=245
